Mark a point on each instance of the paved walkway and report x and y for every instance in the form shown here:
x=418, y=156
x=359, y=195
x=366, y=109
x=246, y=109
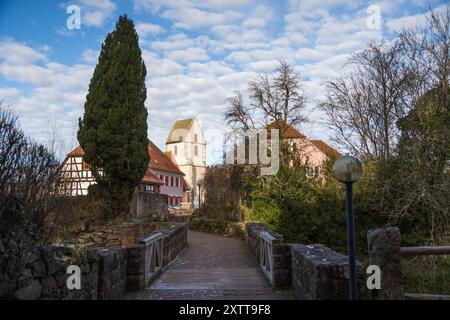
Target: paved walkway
x=211, y=267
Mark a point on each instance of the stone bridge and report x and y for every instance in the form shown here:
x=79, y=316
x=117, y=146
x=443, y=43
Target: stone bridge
x=179, y=264
x=211, y=267
x=261, y=267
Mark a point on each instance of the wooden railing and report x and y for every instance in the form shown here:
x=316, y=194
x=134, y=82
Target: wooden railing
x=266, y=254
x=153, y=255
x=424, y=251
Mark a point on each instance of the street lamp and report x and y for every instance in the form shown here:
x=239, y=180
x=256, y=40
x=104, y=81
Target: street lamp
x=348, y=169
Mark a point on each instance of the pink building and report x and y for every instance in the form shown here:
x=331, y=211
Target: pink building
x=165, y=168
x=312, y=152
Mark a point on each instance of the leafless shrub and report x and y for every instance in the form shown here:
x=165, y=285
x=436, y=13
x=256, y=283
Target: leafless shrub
x=28, y=177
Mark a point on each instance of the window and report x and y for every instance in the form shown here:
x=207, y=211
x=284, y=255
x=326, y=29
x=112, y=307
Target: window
x=195, y=138
x=167, y=180
x=149, y=188
x=177, y=182
x=312, y=172
x=196, y=150
x=175, y=150
x=171, y=181
x=86, y=166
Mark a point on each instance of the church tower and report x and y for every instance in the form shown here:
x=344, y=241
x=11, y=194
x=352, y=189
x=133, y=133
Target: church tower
x=187, y=146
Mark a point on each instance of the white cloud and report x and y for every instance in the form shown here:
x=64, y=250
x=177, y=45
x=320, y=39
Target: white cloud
x=90, y=56
x=187, y=14
x=212, y=67
x=7, y=95
x=398, y=24
x=188, y=55
x=145, y=29
x=260, y=16
x=13, y=52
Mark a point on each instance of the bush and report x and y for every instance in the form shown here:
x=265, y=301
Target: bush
x=226, y=228
x=302, y=209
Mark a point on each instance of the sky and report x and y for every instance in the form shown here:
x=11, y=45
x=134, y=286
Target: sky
x=197, y=53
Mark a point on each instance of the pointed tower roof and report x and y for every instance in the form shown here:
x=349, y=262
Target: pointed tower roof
x=179, y=130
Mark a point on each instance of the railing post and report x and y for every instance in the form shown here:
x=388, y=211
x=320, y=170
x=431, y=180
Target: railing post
x=384, y=251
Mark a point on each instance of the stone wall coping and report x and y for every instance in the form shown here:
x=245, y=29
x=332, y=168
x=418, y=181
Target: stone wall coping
x=320, y=255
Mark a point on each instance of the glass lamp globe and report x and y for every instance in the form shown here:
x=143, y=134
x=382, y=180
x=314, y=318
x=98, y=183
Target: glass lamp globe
x=347, y=169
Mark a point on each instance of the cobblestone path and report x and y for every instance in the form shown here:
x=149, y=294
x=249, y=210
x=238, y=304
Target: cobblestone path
x=211, y=267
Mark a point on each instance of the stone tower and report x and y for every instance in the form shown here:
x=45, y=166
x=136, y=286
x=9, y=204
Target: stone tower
x=187, y=145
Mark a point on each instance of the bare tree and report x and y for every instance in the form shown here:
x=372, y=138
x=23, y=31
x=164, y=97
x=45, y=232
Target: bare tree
x=364, y=107
x=428, y=49
x=54, y=142
x=28, y=176
x=277, y=97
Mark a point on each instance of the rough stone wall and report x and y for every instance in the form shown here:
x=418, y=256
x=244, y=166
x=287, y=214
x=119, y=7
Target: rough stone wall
x=282, y=266
x=384, y=251
x=319, y=273
x=136, y=267
x=112, y=276
x=43, y=275
x=314, y=271
x=106, y=273
x=145, y=203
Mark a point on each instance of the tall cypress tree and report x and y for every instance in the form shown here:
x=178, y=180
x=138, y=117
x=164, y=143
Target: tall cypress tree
x=113, y=131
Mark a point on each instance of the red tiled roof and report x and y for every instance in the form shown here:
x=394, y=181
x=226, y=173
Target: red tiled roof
x=151, y=178
x=77, y=152
x=288, y=131
x=160, y=161
x=326, y=149
x=169, y=154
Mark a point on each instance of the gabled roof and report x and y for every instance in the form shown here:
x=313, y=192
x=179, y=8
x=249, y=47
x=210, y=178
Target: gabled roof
x=160, y=161
x=325, y=148
x=151, y=178
x=77, y=152
x=287, y=131
x=179, y=130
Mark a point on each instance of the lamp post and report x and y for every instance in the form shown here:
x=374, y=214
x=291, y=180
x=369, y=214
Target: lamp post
x=348, y=169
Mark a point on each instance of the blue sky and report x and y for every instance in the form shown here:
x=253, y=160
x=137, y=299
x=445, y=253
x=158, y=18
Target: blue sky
x=197, y=54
